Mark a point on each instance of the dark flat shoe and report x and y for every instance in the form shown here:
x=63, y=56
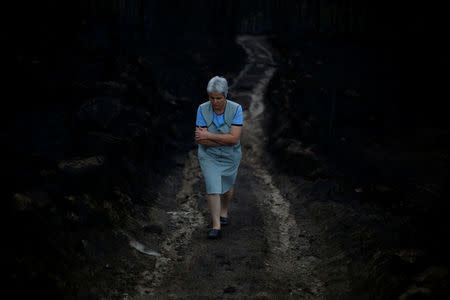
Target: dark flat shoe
x=224, y=221
x=214, y=234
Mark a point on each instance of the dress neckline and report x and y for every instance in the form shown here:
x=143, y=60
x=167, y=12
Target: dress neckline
x=226, y=102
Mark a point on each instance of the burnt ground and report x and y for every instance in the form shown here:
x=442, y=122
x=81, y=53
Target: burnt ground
x=311, y=232
x=89, y=134
x=265, y=252
x=302, y=226
x=376, y=177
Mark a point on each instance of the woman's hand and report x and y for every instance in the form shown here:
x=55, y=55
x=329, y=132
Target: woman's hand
x=201, y=133
x=202, y=137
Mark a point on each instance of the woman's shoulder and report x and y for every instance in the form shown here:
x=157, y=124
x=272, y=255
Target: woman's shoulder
x=204, y=103
x=203, y=106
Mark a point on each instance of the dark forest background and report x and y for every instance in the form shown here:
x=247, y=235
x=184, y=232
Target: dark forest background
x=99, y=104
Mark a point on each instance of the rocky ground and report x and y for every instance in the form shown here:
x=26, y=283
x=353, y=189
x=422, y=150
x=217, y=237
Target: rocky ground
x=322, y=210
x=265, y=252
x=86, y=142
x=375, y=177
x=305, y=223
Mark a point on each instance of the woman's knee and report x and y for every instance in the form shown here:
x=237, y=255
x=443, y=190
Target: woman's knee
x=227, y=193
x=213, y=196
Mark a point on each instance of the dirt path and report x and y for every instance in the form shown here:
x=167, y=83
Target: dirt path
x=265, y=252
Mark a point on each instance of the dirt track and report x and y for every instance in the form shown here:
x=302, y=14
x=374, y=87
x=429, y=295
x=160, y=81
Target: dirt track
x=265, y=252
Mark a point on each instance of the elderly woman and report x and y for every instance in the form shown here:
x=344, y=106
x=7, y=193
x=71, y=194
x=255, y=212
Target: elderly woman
x=218, y=131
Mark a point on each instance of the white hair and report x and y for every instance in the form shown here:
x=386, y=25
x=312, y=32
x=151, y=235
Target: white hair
x=218, y=84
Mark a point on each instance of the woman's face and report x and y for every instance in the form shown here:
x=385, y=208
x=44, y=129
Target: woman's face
x=217, y=101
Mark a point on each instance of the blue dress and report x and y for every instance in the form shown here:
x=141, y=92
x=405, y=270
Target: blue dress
x=220, y=164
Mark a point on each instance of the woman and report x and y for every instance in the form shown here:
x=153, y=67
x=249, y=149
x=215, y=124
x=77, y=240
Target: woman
x=218, y=131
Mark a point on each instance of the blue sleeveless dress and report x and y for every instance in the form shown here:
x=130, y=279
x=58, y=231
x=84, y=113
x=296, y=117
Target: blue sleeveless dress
x=219, y=164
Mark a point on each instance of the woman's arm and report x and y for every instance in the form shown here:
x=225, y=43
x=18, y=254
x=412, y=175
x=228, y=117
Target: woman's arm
x=228, y=139
x=204, y=141
x=209, y=143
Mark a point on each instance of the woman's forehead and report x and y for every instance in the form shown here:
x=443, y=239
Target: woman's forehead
x=216, y=95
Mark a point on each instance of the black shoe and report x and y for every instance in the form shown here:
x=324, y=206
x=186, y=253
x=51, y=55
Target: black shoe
x=214, y=233
x=224, y=221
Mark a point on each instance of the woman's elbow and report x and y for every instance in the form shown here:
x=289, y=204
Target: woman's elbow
x=234, y=142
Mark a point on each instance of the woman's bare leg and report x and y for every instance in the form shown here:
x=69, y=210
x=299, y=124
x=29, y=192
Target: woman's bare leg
x=214, y=208
x=225, y=200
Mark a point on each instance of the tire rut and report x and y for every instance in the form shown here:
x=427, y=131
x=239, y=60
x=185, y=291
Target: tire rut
x=289, y=262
